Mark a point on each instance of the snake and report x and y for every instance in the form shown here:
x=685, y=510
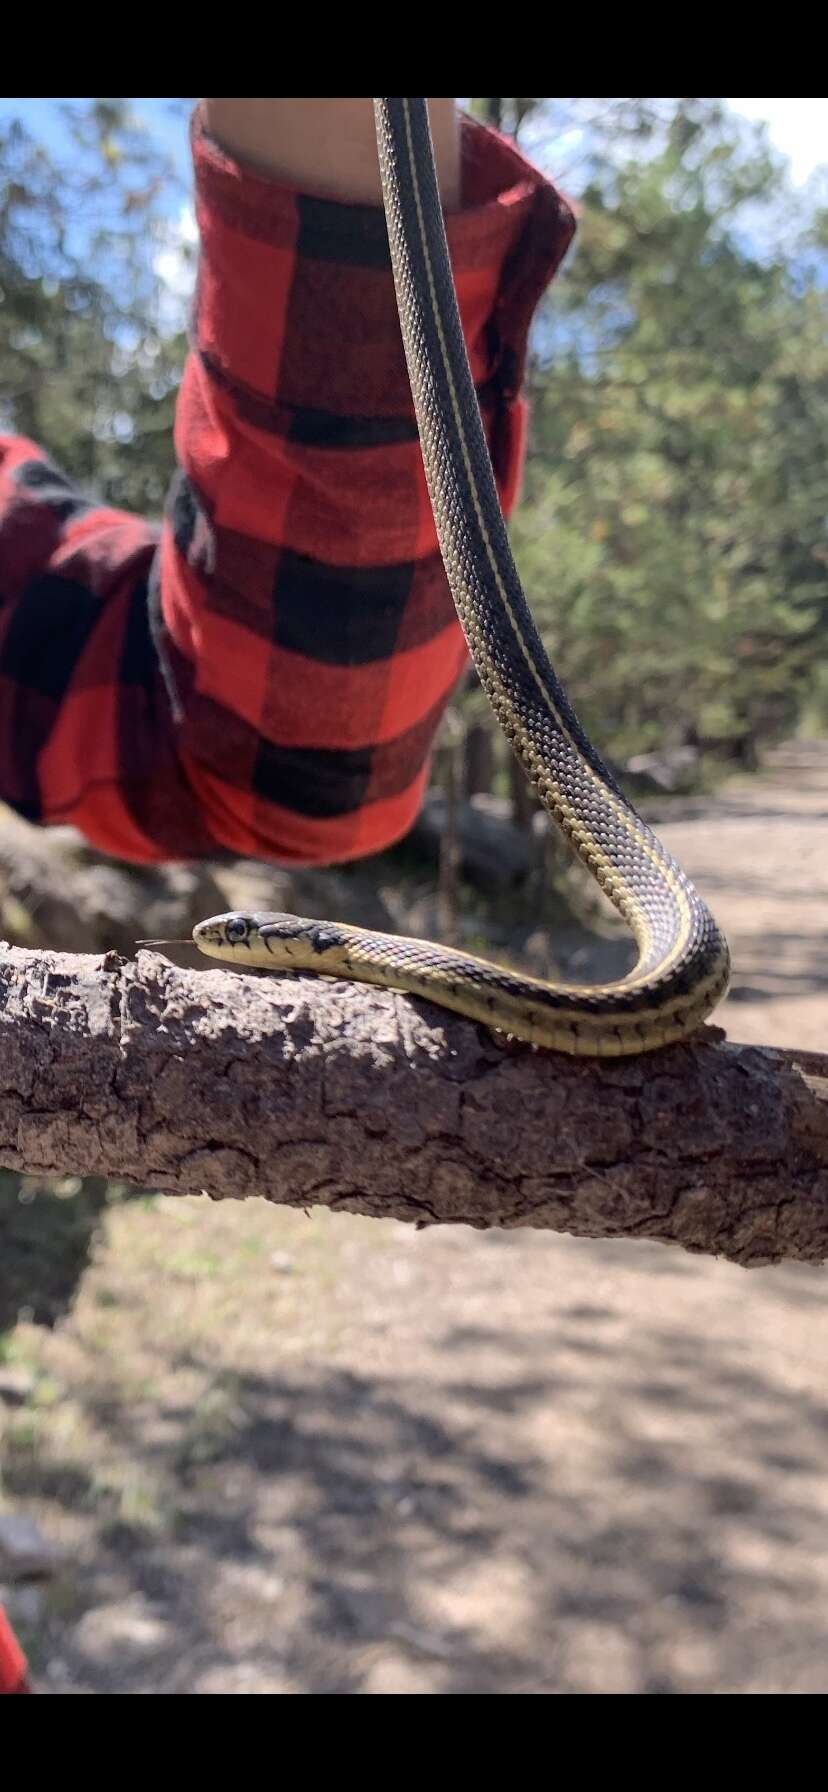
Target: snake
x=682, y=967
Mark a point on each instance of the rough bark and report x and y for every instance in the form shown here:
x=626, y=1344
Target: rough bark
x=304, y=1091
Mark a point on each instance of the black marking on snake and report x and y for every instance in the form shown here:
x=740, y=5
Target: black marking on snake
x=322, y=939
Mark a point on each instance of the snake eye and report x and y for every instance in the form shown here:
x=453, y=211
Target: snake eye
x=235, y=930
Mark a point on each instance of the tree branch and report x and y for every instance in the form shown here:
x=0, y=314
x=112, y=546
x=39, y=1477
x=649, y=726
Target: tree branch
x=308, y=1092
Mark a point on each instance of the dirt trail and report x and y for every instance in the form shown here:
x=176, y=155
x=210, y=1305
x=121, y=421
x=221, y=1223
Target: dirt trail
x=325, y=1455
x=760, y=853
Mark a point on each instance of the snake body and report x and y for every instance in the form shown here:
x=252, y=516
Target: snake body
x=683, y=959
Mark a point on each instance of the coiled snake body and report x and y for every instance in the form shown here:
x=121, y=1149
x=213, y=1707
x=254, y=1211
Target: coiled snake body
x=683, y=960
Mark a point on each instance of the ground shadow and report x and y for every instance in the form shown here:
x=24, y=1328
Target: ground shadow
x=341, y=1504
x=48, y=1232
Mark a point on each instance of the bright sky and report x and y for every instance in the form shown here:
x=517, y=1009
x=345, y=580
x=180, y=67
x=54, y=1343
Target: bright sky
x=799, y=128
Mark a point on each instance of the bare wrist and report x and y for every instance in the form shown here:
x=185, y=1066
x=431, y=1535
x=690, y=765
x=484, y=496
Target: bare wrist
x=326, y=146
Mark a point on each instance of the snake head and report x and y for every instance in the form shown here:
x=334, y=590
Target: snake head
x=223, y=931
x=253, y=938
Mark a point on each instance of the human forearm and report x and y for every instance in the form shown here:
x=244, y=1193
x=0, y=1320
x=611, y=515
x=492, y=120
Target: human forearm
x=326, y=146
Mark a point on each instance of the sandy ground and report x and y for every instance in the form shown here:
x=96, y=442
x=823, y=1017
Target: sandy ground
x=325, y=1455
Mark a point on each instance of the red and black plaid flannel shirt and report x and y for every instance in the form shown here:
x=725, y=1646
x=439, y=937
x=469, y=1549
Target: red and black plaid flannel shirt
x=264, y=673
x=13, y=1669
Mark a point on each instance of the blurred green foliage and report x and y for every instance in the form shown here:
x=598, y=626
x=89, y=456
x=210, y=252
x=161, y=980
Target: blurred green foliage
x=674, y=529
